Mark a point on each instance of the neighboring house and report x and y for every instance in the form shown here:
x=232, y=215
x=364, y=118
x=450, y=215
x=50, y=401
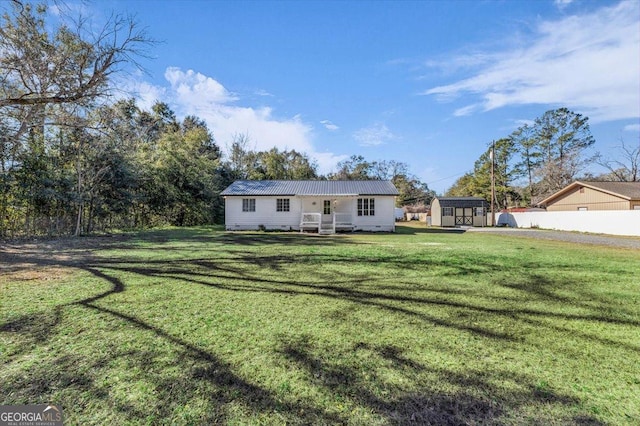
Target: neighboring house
x=580, y=196
x=324, y=206
x=459, y=211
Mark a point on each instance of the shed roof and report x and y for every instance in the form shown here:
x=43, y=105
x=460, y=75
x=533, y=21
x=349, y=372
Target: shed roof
x=625, y=190
x=462, y=201
x=310, y=187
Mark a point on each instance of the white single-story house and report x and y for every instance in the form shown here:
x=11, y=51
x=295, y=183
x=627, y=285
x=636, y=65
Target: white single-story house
x=459, y=211
x=324, y=206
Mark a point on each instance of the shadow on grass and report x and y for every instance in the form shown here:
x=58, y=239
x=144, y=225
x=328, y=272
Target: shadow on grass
x=34, y=329
x=473, y=399
x=280, y=238
x=203, y=373
x=423, y=229
x=240, y=238
x=245, y=272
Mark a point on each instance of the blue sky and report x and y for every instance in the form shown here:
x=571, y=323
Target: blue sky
x=429, y=83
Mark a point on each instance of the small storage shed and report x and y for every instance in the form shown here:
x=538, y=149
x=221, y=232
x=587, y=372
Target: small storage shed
x=459, y=211
x=581, y=196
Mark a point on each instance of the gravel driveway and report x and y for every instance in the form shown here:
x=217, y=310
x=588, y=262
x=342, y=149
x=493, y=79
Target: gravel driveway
x=571, y=237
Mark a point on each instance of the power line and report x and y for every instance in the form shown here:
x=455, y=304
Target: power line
x=445, y=178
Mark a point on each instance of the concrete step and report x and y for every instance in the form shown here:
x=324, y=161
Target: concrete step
x=326, y=229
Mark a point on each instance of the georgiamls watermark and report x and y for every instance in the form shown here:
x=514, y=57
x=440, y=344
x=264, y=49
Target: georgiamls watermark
x=31, y=415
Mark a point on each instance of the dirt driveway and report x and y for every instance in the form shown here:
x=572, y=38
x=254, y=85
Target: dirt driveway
x=571, y=237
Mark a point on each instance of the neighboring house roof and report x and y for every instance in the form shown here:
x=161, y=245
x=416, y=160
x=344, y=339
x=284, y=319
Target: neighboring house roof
x=625, y=190
x=310, y=187
x=462, y=202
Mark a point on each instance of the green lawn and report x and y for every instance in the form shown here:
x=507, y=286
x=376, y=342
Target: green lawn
x=199, y=326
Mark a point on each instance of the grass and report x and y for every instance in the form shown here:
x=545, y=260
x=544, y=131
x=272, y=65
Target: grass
x=199, y=326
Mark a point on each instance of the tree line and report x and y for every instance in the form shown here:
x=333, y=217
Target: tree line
x=123, y=167
x=72, y=161
x=243, y=163
x=540, y=158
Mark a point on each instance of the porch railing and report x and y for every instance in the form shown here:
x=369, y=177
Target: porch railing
x=310, y=220
x=313, y=221
x=343, y=220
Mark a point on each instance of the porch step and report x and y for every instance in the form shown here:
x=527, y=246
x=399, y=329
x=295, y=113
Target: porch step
x=326, y=229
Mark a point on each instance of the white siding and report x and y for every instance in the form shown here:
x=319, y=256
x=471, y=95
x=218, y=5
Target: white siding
x=383, y=219
x=265, y=215
x=312, y=204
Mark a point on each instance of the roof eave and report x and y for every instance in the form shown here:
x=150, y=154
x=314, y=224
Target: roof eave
x=308, y=195
x=577, y=183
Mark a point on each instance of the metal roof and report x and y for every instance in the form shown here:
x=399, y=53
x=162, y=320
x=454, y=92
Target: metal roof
x=461, y=201
x=310, y=187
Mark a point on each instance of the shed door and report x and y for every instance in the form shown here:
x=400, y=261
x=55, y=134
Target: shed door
x=464, y=216
x=468, y=216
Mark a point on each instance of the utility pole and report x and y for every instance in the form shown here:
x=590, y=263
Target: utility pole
x=493, y=182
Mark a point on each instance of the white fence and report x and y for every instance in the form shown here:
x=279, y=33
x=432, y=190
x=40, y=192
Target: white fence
x=614, y=222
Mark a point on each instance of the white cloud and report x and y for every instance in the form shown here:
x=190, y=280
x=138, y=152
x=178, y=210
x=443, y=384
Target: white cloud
x=461, y=62
x=197, y=89
x=561, y=4
x=197, y=94
x=145, y=94
x=377, y=134
x=193, y=93
x=329, y=125
x=585, y=62
x=327, y=161
x=468, y=110
x=632, y=128
x=54, y=9
x=262, y=92
x=148, y=94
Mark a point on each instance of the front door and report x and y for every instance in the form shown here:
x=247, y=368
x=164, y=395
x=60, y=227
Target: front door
x=327, y=210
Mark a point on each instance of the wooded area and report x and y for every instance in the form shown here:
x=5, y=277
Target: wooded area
x=74, y=161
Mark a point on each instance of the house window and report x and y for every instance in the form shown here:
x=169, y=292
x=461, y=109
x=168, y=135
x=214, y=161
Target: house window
x=248, y=204
x=282, y=204
x=326, y=207
x=366, y=206
x=583, y=209
x=447, y=211
x=478, y=211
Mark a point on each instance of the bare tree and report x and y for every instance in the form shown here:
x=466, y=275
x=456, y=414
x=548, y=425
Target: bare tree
x=52, y=73
x=240, y=156
x=71, y=65
x=626, y=168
